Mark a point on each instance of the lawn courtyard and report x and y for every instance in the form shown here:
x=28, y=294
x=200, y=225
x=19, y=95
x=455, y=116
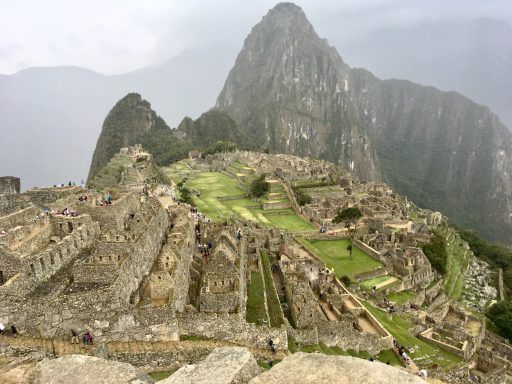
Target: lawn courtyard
x=336, y=255
x=213, y=187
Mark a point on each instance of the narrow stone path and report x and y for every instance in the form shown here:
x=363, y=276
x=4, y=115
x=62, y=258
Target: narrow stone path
x=64, y=347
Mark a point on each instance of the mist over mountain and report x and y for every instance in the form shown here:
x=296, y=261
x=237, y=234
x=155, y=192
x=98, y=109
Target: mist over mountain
x=473, y=58
x=289, y=91
x=50, y=118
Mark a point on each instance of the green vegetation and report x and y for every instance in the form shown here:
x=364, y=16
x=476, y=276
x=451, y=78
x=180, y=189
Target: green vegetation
x=497, y=255
x=425, y=354
x=160, y=375
x=302, y=197
x=256, y=312
x=274, y=306
x=336, y=255
x=436, y=253
x=185, y=196
x=458, y=259
x=163, y=144
x=368, y=284
x=501, y=315
x=259, y=187
x=349, y=217
x=213, y=186
x=401, y=297
x=264, y=363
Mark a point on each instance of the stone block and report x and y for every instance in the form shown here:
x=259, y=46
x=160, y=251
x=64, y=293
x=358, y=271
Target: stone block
x=231, y=365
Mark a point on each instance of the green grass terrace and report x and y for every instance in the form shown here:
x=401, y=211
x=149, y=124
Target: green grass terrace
x=215, y=187
x=336, y=255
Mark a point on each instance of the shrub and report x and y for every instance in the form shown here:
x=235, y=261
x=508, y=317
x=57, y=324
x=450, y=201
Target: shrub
x=259, y=187
x=346, y=280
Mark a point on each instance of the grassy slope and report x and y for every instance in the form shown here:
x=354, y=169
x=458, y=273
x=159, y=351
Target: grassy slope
x=425, y=353
x=274, y=306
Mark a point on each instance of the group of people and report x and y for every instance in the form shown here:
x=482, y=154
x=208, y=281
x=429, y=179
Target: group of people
x=83, y=198
x=67, y=212
x=401, y=352
x=87, y=338
x=105, y=202
x=14, y=331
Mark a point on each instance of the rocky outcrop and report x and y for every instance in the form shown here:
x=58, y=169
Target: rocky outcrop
x=315, y=368
x=231, y=365
x=79, y=369
x=290, y=92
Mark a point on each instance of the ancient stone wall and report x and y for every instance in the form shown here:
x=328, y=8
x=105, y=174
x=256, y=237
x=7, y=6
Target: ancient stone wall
x=9, y=185
x=231, y=327
x=340, y=334
x=21, y=217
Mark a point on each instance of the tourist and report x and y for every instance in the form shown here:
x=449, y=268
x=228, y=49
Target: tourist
x=74, y=337
x=90, y=338
x=14, y=330
x=372, y=359
x=388, y=362
x=270, y=343
x=109, y=198
x=84, y=340
x=2, y=327
x=423, y=374
x=270, y=363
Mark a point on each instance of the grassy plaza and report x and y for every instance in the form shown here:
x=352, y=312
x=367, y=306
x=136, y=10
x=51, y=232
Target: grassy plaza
x=213, y=187
x=336, y=255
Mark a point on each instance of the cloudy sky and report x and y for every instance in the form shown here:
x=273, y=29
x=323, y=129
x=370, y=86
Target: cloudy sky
x=118, y=36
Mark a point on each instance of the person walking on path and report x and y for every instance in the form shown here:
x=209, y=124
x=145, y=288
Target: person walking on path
x=14, y=330
x=74, y=337
x=2, y=327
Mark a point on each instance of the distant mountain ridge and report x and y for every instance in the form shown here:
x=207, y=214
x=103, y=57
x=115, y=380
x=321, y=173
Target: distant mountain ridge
x=291, y=92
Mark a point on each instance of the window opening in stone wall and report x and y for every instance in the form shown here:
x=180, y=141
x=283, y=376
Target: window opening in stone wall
x=43, y=267
x=32, y=268
x=52, y=260
x=70, y=227
x=1, y=277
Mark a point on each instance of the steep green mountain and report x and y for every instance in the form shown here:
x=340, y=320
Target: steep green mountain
x=124, y=125
x=209, y=128
x=132, y=121
x=289, y=91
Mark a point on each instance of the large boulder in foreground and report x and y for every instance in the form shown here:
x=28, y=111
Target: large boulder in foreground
x=80, y=369
x=315, y=368
x=231, y=365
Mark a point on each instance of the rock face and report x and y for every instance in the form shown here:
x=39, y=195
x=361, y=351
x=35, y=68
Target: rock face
x=231, y=365
x=289, y=91
x=79, y=369
x=315, y=368
x=125, y=125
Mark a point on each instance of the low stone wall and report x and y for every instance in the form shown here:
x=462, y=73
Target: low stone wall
x=18, y=218
x=227, y=198
x=49, y=195
x=9, y=203
x=427, y=336
x=369, y=250
x=346, y=337
x=381, y=271
x=282, y=205
x=231, y=327
x=304, y=336
x=325, y=236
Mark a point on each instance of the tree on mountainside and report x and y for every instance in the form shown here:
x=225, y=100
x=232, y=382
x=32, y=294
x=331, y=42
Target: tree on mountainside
x=349, y=217
x=501, y=315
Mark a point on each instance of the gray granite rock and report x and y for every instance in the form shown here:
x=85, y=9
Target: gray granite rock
x=315, y=368
x=231, y=365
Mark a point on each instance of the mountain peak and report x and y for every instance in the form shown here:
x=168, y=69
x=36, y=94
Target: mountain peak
x=286, y=17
